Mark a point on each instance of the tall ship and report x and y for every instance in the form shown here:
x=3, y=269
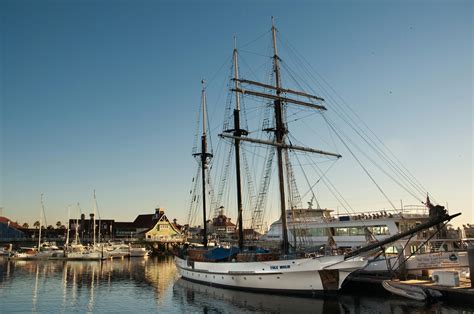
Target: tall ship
x=284, y=269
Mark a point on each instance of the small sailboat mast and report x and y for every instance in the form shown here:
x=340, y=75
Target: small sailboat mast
x=67, y=232
x=76, y=239
x=41, y=214
x=93, y=221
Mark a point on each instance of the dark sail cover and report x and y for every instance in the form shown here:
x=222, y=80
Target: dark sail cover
x=220, y=253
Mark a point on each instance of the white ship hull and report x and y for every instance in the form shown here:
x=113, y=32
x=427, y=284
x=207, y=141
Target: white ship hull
x=38, y=256
x=138, y=252
x=84, y=256
x=299, y=276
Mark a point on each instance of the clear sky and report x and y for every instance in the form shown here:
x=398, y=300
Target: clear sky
x=103, y=94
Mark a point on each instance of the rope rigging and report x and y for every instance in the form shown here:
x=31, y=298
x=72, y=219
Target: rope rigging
x=396, y=165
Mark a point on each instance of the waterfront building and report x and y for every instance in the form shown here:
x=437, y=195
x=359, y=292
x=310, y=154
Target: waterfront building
x=221, y=226
x=163, y=230
x=10, y=229
x=137, y=229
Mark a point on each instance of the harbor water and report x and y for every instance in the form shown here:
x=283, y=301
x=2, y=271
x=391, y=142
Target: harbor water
x=144, y=285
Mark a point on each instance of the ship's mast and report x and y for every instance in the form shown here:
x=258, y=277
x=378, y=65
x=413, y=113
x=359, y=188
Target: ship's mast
x=39, y=232
x=238, y=132
x=68, y=217
x=204, y=160
x=280, y=132
x=93, y=221
x=279, y=98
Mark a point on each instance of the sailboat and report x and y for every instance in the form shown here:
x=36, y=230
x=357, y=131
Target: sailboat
x=262, y=270
x=79, y=251
x=44, y=250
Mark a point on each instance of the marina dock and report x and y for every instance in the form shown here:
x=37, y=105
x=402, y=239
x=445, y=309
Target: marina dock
x=462, y=294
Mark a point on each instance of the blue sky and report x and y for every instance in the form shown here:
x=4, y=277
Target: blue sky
x=103, y=94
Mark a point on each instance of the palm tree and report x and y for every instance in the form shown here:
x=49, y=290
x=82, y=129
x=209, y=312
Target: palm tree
x=36, y=224
x=26, y=225
x=58, y=224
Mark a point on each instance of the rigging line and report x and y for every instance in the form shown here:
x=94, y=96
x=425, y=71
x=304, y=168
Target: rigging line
x=382, y=155
x=331, y=187
x=198, y=126
x=367, y=139
x=415, y=183
x=384, y=171
x=369, y=129
x=381, y=169
x=292, y=75
x=211, y=80
x=423, y=244
x=253, y=75
x=315, y=132
x=193, y=193
x=254, y=53
x=335, y=192
x=321, y=176
x=306, y=178
x=360, y=164
x=254, y=40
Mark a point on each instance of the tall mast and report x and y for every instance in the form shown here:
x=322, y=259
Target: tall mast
x=280, y=132
x=238, y=132
x=280, y=97
x=68, y=217
x=93, y=223
x=76, y=239
x=39, y=232
x=204, y=158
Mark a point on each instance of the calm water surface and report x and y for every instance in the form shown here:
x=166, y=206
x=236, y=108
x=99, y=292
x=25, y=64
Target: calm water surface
x=152, y=285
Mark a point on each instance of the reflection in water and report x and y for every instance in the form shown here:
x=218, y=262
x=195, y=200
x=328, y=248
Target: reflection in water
x=152, y=284
x=91, y=286
x=35, y=290
x=226, y=300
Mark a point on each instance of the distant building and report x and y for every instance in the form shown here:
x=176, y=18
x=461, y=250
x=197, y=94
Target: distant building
x=163, y=229
x=85, y=231
x=111, y=229
x=221, y=226
x=10, y=229
x=250, y=234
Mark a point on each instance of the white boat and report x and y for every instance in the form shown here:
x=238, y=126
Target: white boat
x=138, y=251
x=44, y=250
x=295, y=276
x=6, y=251
x=82, y=252
x=114, y=249
x=260, y=270
x=311, y=227
x=411, y=291
x=78, y=251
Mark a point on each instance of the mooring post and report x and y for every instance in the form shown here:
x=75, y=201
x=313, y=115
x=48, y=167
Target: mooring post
x=470, y=256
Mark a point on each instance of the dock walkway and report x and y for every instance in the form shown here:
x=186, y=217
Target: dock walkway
x=463, y=294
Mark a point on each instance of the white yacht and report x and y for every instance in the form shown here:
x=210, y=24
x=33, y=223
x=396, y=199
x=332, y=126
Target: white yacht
x=311, y=227
x=82, y=252
x=114, y=249
x=46, y=251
